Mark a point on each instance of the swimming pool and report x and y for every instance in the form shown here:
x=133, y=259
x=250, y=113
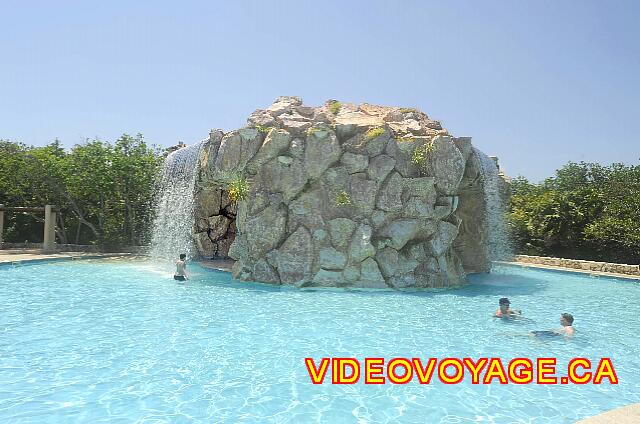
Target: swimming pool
x=109, y=341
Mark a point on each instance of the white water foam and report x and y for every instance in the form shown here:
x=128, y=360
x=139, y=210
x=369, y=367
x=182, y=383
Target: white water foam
x=174, y=211
x=498, y=233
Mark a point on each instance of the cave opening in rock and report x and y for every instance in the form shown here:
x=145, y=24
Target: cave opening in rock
x=215, y=223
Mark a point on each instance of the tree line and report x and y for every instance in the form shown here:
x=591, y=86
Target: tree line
x=105, y=194
x=585, y=211
x=104, y=190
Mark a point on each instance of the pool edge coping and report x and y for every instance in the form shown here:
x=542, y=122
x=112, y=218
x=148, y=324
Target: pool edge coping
x=596, y=274
x=39, y=260
x=626, y=414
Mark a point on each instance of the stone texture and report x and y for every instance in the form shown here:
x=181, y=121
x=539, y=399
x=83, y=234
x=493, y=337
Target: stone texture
x=380, y=166
x=266, y=230
x=263, y=272
x=341, y=230
x=361, y=247
x=275, y=143
x=326, y=278
x=336, y=200
x=354, y=162
x=331, y=258
x=322, y=150
x=400, y=232
x=370, y=274
x=294, y=258
x=448, y=165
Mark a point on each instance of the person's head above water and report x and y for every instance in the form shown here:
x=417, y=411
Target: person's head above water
x=183, y=256
x=504, y=304
x=566, y=319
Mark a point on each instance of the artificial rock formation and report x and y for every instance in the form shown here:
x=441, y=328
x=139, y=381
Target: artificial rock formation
x=336, y=198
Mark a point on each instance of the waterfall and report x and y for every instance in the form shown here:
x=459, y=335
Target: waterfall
x=174, y=215
x=499, y=248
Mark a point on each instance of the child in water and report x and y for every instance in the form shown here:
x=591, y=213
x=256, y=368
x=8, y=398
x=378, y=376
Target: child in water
x=181, y=268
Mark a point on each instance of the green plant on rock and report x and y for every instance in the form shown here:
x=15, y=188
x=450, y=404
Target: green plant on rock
x=408, y=110
x=421, y=154
x=263, y=129
x=335, y=106
x=343, y=198
x=404, y=139
x=374, y=132
x=238, y=189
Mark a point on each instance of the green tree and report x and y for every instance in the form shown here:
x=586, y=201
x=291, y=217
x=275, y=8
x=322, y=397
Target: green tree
x=586, y=211
x=104, y=191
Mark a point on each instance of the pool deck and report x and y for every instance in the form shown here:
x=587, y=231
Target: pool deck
x=571, y=270
x=20, y=256
x=629, y=414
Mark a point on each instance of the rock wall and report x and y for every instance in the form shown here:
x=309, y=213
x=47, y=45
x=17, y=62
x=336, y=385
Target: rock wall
x=338, y=197
x=580, y=264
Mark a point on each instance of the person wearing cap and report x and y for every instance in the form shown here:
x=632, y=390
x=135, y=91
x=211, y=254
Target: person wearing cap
x=505, y=311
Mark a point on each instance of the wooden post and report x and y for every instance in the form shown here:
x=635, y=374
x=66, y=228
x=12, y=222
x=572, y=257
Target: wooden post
x=1, y=223
x=49, y=228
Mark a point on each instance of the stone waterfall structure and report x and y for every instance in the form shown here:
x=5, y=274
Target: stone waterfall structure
x=345, y=195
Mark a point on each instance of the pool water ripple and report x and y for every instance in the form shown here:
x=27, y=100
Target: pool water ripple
x=108, y=341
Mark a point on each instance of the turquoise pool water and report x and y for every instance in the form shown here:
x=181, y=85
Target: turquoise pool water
x=122, y=342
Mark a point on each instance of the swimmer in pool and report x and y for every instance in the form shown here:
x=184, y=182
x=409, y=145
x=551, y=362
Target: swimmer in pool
x=181, y=268
x=567, y=330
x=566, y=320
x=505, y=311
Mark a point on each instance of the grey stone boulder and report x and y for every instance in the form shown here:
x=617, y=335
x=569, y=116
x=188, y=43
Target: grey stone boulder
x=392, y=263
x=443, y=238
x=370, y=275
x=294, y=258
x=266, y=230
x=361, y=247
x=354, y=163
x=275, y=143
x=283, y=174
x=237, y=148
x=331, y=258
x=322, y=150
x=264, y=273
x=362, y=192
x=447, y=165
x=340, y=230
x=390, y=196
x=325, y=278
x=400, y=232
x=380, y=166
x=305, y=209
x=284, y=104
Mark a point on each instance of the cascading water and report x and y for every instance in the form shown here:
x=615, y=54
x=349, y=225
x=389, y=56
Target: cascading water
x=498, y=234
x=174, y=215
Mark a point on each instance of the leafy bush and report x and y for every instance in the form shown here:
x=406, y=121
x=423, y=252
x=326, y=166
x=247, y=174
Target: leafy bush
x=343, y=198
x=408, y=109
x=238, y=189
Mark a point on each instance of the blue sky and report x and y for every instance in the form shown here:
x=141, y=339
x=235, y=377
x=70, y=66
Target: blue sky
x=537, y=83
